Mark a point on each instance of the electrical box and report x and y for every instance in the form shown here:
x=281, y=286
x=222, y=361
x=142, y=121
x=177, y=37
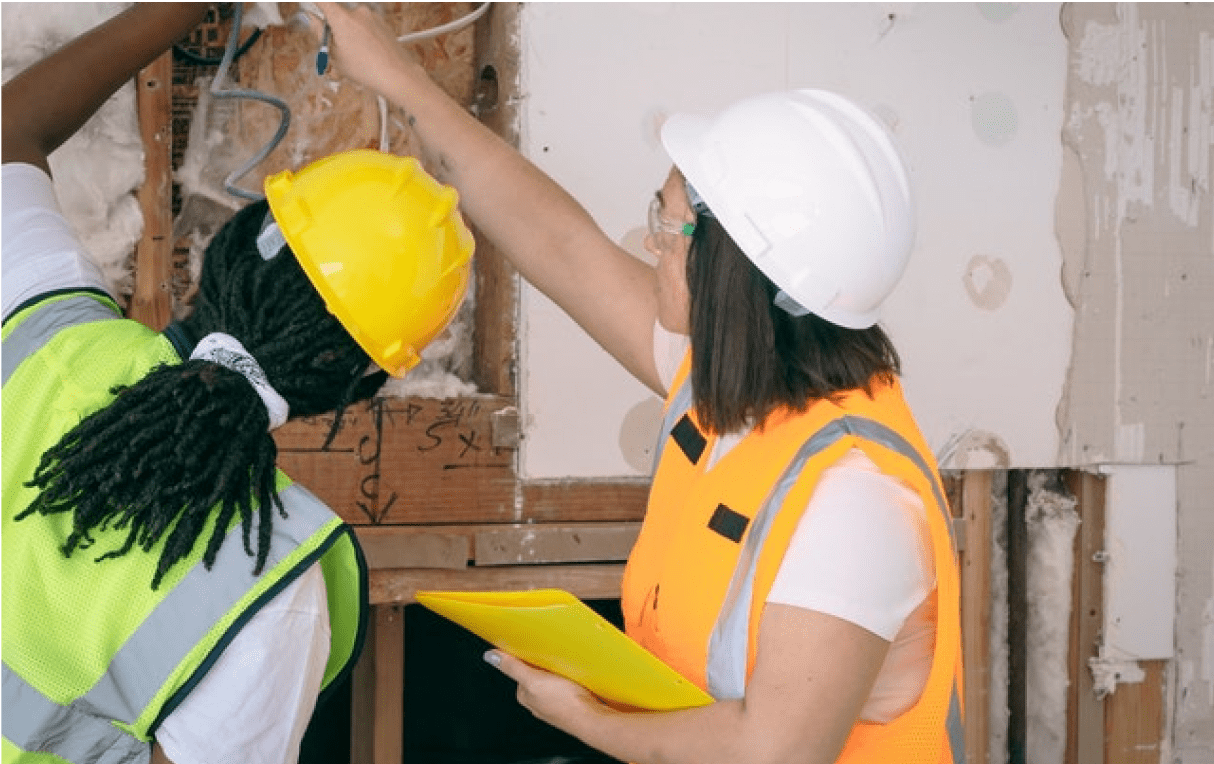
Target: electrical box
x=1140, y=558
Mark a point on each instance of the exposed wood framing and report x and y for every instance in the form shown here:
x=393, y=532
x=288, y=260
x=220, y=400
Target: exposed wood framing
x=586, y=581
x=151, y=302
x=969, y=496
x=495, y=102
x=1127, y=726
x=1134, y=718
x=378, y=702
x=406, y=461
x=590, y=501
x=455, y=547
x=1085, y=711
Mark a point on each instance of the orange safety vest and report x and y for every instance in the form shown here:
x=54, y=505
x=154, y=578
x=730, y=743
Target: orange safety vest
x=711, y=544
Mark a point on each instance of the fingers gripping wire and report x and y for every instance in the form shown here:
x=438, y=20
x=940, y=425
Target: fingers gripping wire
x=219, y=91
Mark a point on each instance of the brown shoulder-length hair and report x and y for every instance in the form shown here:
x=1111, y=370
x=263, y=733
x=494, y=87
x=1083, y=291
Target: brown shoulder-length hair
x=751, y=358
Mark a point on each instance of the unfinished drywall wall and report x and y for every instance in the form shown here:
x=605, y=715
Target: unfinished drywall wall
x=973, y=93
x=1136, y=216
x=1059, y=308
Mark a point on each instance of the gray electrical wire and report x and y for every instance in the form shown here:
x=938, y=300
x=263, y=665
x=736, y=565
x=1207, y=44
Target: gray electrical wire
x=229, y=54
x=217, y=91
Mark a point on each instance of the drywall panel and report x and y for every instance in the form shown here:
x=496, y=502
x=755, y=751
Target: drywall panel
x=1136, y=215
x=1140, y=561
x=1139, y=131
x=973, y=93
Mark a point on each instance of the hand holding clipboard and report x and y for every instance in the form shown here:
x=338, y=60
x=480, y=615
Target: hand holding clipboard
x=552, y=629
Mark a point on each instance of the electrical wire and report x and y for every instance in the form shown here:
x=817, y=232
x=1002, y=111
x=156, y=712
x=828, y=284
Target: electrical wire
x=200, y=60
x=450, y=26
x=233, y=50
x=218, y=91
x=425, y=34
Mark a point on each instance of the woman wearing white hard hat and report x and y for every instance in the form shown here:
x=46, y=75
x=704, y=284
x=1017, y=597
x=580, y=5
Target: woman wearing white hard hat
x=796, y=559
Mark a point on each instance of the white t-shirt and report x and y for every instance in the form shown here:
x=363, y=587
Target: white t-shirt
x=255, y=703
x=861, y=552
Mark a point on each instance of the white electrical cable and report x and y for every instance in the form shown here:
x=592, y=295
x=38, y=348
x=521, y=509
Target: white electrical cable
x=424, y=34
x=450, y=26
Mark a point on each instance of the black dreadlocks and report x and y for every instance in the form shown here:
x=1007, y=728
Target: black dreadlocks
x=188, y=443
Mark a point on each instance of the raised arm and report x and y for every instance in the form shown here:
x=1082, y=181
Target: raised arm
x=48, y=102
x=540, y=228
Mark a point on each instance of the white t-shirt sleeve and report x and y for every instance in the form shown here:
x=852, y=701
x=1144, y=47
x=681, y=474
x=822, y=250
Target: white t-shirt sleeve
x=255, y=703
x=862, y=550
x=41, y=252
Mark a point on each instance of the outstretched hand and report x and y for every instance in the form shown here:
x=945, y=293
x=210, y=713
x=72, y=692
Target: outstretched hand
x=364, y=49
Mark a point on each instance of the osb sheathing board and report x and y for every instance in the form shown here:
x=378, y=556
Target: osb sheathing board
x=330, y=113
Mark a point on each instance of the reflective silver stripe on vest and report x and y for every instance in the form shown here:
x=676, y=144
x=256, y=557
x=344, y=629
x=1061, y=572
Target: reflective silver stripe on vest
x=44, y=323
x=149, y=656
x=69, y=732
x=679, y=405
x=955, y=726
x=727, y=648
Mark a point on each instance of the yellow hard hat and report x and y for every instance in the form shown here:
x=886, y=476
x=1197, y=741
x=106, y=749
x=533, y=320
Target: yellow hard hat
x=384, y=245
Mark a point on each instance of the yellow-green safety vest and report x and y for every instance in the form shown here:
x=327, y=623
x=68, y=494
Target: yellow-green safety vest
x=93, y=658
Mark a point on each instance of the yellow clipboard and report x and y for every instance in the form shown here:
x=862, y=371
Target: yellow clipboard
x=556, y=631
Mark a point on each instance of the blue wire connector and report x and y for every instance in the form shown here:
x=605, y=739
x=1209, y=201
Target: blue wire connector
x=322, y=56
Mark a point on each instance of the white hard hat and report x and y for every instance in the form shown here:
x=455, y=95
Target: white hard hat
x=812, y=189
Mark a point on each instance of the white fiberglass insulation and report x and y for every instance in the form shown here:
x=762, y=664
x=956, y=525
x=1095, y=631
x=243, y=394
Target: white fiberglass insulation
x=97, y=171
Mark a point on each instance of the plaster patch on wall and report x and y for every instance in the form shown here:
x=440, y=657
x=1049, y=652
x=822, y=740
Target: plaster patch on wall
x=1139, y=122
x=994, y=118
x=974, y=450
x=639, y=434
x=1129, y=442
x=988, y=281
x=1154, y=124
x=997, y=13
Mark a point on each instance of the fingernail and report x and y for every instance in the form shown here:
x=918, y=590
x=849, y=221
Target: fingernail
x=493, y=659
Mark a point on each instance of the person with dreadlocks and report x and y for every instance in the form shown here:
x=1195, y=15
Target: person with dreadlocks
x=168, y=594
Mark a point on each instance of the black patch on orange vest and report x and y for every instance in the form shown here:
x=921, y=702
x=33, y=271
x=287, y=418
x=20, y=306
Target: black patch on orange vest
x=728, y=523
x=689, y=439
